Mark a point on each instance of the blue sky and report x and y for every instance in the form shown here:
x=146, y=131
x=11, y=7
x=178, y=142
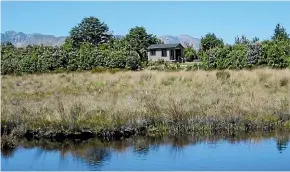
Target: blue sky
x=225, y=19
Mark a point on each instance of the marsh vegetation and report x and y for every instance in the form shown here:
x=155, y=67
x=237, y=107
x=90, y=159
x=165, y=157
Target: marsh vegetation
x=166, y=102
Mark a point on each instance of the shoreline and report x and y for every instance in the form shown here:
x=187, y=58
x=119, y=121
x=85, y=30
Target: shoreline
x=121, y=133
x=10, y=142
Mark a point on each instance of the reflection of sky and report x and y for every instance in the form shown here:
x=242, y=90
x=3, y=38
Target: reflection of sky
x=206, y=156
x=222, y=156
x=30, y=159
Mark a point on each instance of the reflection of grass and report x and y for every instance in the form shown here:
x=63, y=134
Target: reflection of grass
x=8, y=143
x=96, y=150
x=169, y=101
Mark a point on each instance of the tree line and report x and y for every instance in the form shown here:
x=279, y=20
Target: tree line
x=90, y=45
x=245, y=53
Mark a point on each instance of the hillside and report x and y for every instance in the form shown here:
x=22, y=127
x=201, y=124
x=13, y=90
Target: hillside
x=20, y=39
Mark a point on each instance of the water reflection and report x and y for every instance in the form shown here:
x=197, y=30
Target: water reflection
x=141, y=146
x=94, y=153
x=282, y=143
x=94, y=156
x=8, y=152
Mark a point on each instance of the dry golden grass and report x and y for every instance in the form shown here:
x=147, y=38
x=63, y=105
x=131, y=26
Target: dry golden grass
x=166, y=98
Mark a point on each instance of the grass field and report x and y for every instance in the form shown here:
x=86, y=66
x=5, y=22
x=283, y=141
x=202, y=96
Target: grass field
x=167, y=100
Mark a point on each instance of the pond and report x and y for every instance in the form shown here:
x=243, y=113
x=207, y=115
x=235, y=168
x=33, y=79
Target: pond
x=254, y=151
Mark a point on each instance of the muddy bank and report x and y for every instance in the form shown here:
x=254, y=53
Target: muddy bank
x=119, y=133
x=11, y=135
x=11, y=130
x=8, y=142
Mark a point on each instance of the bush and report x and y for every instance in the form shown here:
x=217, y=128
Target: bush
x=254, y=54
x=144, y=64
x=160, y=62
x=190, y=54
x=276, y=54
x=209, y=59
x=223, y=61
x=116, y=59
x=149, y=63
x=237, y=56
x=9, y=65
x=133, y=62
x=217, y=58
x=171, y=67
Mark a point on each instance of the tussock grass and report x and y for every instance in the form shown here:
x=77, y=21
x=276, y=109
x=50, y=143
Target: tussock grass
x=169, y=101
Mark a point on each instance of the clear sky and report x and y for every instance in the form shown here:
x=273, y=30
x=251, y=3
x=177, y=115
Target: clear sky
x=225, y=19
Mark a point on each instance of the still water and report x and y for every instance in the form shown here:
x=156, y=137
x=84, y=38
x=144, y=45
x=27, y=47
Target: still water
x=247, y=152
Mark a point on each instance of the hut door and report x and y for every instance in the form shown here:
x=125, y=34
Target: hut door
x=178, y=54
x=172, y=55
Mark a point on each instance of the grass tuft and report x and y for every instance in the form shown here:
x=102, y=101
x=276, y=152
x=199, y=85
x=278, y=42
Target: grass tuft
x=284, y=81
x=223, y=75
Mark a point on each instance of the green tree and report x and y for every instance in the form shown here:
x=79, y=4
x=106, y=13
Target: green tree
x=254, y=54
x=133, y=61
x=190, y=54
x=9, y=59
x=85, y=56
x=280, y=33
x=210, y=41
x=139, y=40
x=90, y=30
x=276, y=54
x=255, y=39
x=242, y=40
x=238, y=56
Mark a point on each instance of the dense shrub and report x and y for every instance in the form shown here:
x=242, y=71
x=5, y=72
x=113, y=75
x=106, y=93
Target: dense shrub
x=209, y=58
x=133, y=61
x=9, y=60
x=123, y=53
x=253, y=54
x=190, y=54
x=115, y=59
x=222, y=59
x=276, y=54
x=217, y=58
x=238, y=56
x=160, y=62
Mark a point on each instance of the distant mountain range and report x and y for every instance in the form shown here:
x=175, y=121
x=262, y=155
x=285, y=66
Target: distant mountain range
x=185, y=40
x=20, y=39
